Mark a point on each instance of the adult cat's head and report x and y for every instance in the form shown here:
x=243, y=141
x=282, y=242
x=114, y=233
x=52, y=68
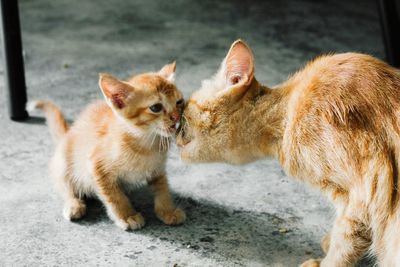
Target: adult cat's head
x=218, y=118
x=146, y=103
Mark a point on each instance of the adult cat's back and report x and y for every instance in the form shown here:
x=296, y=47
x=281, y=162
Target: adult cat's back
x=341, y=108
x=334, y=124
x=342, y=85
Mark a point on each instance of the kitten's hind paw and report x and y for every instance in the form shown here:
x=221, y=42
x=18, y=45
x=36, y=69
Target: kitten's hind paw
x=173, y=217
x=311, y=263
x=133, y=222
x=74, y=210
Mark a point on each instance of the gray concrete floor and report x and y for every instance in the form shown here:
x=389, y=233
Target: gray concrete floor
x=251, y=215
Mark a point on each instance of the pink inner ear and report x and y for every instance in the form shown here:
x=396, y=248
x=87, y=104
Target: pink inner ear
x=239, y=64
x=114, y=90
x=118, y=98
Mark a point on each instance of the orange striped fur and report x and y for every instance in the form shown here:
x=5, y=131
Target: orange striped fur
x=335, y=125
x=117, y=143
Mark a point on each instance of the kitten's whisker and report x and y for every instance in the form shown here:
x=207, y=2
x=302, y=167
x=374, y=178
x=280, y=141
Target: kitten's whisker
x=154, y=137
x=160, y=144
x=164, y=145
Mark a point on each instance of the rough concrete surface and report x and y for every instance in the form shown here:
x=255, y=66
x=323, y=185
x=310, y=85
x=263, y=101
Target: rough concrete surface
x=249, y=215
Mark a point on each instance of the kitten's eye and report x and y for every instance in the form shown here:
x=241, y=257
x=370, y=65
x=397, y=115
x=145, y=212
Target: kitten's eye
x=156, y=107
x=179, y=102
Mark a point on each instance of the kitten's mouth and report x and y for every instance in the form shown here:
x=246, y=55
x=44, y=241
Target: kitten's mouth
x=172, y=129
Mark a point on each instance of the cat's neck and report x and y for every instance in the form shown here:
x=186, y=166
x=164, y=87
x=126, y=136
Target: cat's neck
x=268, y=117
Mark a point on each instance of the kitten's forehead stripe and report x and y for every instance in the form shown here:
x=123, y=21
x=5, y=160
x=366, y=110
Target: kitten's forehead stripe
x=166, y=89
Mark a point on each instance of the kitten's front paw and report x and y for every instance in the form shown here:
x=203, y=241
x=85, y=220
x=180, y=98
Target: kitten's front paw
x=133, y=222
x=311, y=263
x=74, y=210
x=173, y=217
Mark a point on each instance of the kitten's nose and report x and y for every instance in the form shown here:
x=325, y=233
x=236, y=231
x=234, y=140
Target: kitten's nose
x=174, y=116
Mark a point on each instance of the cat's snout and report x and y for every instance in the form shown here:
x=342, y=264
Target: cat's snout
x=182, y=138
x=181, y=141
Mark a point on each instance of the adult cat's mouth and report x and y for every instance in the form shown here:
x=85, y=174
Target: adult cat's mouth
x=181, y=139
x=182, y=143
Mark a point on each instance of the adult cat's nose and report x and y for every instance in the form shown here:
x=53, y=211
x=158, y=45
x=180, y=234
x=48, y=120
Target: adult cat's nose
x=174, y=116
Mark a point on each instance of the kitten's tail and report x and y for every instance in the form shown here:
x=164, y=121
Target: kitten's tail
x=54, y=117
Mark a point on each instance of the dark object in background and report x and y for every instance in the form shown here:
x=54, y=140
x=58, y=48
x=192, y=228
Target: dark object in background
x=391, y=30
x=14, y=65
x=14, y=75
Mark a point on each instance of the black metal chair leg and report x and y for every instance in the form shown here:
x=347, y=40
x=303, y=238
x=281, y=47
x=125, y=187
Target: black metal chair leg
x=13, y=60
x=391, y=30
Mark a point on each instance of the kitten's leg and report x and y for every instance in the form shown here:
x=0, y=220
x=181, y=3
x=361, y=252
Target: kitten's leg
x=117, y=203
x=347, y=243
x=325, y=241
x=74, y=206
x=163, y=204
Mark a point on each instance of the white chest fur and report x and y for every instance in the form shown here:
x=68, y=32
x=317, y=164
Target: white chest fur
x=143, y=168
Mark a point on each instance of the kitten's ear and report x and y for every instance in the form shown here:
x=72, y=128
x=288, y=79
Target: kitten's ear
x=115, y=92
x=239, y=65
x=168, y=71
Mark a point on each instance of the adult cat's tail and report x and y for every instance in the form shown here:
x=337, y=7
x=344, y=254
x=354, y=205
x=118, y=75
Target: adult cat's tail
x=54, y=117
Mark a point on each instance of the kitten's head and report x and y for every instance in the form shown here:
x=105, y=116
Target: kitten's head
x=146, y=103
x=210, y=119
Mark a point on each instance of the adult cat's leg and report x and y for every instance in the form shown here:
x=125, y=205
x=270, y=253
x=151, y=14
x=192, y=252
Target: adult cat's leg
x=163, y=204
x=74, y=205
x=348, y=242
x=117, y=203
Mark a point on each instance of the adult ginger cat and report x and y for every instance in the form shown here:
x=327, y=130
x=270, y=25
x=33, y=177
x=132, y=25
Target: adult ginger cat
x=117, y=143
x=335, y=125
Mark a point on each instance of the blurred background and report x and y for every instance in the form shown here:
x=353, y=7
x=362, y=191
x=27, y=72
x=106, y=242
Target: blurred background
x=250, y=215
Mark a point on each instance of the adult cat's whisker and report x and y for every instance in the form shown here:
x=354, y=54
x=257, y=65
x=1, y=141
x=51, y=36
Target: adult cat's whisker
x=333, y=124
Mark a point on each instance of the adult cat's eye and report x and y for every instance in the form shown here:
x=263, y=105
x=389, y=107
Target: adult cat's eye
x=156, y=107
x=179, y=102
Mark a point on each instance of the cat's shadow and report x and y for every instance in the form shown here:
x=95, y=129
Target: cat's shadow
x=210, y=229
x=216, y=231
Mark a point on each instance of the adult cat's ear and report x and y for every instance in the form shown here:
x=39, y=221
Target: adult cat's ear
x=238, y=65
x=168, y=71
x=115, y=92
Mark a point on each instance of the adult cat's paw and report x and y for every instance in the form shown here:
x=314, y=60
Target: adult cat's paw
x=311, y=263
x=133, y=222
x=172, y=217
x=74, y=210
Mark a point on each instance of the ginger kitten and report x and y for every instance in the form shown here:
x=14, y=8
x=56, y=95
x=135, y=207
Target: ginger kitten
x=334, y=124
x=117, y=143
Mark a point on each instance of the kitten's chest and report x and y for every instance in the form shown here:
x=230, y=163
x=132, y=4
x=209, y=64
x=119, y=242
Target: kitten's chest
x=140, y=168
